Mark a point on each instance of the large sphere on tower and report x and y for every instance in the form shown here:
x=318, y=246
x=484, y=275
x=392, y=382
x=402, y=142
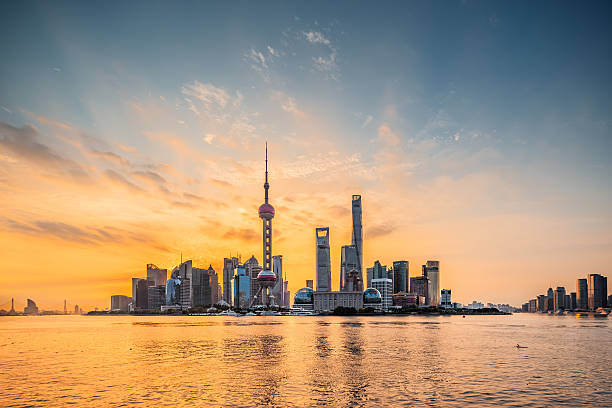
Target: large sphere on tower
x=266, y=211
x=266, y=278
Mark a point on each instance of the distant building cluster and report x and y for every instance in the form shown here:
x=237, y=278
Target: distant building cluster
x=591, y=294
x=31, y=309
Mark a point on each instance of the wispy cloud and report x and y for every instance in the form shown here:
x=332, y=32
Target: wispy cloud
x=316, y=37
x=288, y=104
x=273, y=52
x=24, y=144
x=386, y=136
x=118, y=179
x=367, y=121
x=258, y=63
x=208, y=94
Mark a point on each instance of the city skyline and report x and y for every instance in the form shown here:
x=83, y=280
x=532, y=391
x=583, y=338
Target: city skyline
x=492, y=160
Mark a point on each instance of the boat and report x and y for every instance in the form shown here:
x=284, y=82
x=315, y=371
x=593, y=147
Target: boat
x=228, y=313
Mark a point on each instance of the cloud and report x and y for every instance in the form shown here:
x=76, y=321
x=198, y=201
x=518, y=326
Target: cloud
x=273, y=52
x=316, y=37
x=84, y=235
x=221, y=183
x=209, y=138
x=23, y=143
x=242, y=234
x=109, y=156
x=122, y=181
x=238, y=100
x=288, y=104
x=208, y=94
x=367, y=121
x=57, y=69
x=258, y=63
x=150, y=176
x=380, y=230
x=386, y=136
x=7, y=110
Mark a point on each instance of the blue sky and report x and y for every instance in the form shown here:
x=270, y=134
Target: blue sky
x=457, y=120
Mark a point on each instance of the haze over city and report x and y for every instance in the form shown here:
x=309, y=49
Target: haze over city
x=132, y=133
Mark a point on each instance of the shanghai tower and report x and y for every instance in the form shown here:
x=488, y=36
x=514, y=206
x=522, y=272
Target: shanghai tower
x=266, y=213
x=357, y=241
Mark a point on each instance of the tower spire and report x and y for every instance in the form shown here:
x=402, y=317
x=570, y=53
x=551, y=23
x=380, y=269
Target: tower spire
x=266, y=185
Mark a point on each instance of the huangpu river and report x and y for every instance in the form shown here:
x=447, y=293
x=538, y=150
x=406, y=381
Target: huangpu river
x=305, y=361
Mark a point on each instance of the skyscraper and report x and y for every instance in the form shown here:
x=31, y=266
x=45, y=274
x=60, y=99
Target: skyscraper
x=349, y=265
x=598, y=291
x=278, y=289
x=357, y=239
x=420, y=286
x=582, y=294
x=559, y=298
x=400, y=276
x=432, y=271
x=140, y=293
x=242, y=288
x=156, y=275
x=229, y=265
x=323, y=260
x=266, y=213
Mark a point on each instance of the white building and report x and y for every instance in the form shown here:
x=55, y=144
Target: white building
x=385, y=287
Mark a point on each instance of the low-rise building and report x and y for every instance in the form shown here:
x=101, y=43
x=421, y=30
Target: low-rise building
x=329, y=301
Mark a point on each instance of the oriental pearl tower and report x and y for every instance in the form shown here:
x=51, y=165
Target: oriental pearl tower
x=266, y=278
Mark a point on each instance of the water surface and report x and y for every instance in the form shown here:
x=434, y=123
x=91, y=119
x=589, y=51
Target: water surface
x=49, y=361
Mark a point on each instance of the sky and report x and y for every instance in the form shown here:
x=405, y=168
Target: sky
x=477, y=132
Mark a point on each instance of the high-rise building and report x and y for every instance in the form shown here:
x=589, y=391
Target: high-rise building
x=286, y=295
x=559, y=298
x=582, y=294
x=173, y=290
x=156, y=275
x=573, y=301
x=229, y=265
x=278, y=290
x=357, y=238
x=385, y=287
x=432, y=271
x=379, y=271
x=446, y=298
x=598, y=291
x=551, y=300
x=118, y=303
x=204, y=286
x=400, y=276
x=140, y=293
x=156, y=297
x=242, y=288
x=252, y=269
x=420, y=286
x=31, y=307
x=533, y=306
x=542, y=303
x=323, y=260
x=349, y=263
x=266, y=213
x=184, y=273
